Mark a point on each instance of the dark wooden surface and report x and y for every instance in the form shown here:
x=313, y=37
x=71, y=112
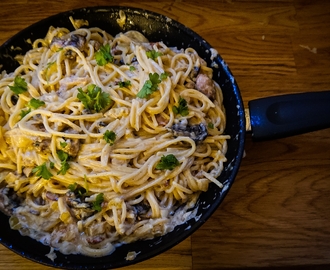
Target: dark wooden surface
x=277, y=214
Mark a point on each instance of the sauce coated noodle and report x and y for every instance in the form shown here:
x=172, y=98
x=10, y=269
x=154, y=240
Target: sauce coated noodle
x=86, y=161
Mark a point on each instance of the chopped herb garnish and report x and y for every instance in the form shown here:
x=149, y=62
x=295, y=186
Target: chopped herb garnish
x=153, y=54
x=132, y=68
x=20, y=85
x=24, y=112
x=32, y=104
x=73, y=187
x=51, y=165
x=210, y=125
x=35, y=103
x=168, y=162
x=164, y=75
x=124, y=84
x=149, y=86
x=63, y=156
x=94, y=99
x=97, y=204
x=64, y=167
x=63, y=144
x=103, y=55
x=42, y=171
x=182, y=109
x=109, y=137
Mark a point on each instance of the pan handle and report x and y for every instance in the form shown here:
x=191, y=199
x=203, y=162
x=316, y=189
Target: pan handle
x=287, y=115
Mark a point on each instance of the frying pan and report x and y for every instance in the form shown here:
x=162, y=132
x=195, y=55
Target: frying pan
x=267, y=118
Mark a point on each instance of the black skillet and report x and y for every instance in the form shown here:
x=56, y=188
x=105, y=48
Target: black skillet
x=156, y=28
x=160, y=28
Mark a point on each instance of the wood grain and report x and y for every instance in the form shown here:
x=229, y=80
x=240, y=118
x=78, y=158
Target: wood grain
x=178, y=258
x=277, y=214
x=279, y=217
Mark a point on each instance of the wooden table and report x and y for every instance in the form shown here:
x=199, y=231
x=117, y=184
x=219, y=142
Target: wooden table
x=277, y=214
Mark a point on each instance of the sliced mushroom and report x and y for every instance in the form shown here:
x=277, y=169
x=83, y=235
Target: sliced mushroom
x=78, y=207
x=39, y=200
x=42, y=145
x=196, y=132
x=73, y=145
x=74, y=40
x=142, y=210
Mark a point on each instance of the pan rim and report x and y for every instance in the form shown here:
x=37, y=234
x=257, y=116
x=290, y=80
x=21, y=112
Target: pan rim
x=234, y=170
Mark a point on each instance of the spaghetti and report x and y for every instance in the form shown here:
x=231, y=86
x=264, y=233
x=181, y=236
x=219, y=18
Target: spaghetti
x=106, y=140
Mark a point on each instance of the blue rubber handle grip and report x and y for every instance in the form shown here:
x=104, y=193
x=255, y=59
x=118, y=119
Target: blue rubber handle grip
x=287, y=115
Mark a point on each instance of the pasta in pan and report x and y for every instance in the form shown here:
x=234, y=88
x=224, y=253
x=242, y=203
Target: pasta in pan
x=106, y=139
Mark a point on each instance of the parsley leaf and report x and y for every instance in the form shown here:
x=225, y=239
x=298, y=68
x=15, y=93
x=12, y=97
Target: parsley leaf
x=63, y=144
x=35, y=103
x=32, y=104
x=109, y=137
x=132, y=68
x=164, y=75
x=168, y=162
x=73, y=187
x=153, y=54
x=210, y=125
x=146, y=90
x=63, y=156
x=182, y=108
x=42, y=171
x=86, y=99
x=64, y=167
x=149, y=86
x=94, y=99
x=97, y=204
x=20, y=85
x=24, y=112
x=103, y=55
x=124, y=84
